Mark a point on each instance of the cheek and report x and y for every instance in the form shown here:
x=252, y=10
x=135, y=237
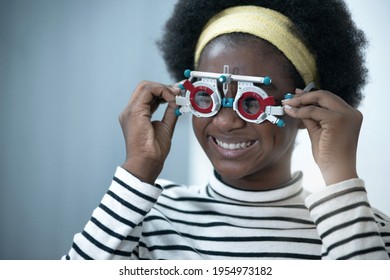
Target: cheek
x=289, y=133
x=276, y=138
x=199, y=125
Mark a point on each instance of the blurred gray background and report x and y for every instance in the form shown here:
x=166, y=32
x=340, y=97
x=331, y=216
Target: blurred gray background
x=67, y=69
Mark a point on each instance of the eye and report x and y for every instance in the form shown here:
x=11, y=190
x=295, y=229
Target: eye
x=203, y=99
x=251, y=105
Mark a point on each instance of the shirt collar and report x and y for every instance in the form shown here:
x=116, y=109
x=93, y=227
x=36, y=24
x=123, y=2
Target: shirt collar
x=222, y=191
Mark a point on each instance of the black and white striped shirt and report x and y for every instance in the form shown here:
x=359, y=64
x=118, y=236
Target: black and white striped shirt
x=136, y=220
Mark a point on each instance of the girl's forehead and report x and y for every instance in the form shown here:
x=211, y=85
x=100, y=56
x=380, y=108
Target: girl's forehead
x=249, y=42
x=244, y=58
x=251, y=57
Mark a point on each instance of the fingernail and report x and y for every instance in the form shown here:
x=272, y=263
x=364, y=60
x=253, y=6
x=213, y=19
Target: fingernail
x=288, y=107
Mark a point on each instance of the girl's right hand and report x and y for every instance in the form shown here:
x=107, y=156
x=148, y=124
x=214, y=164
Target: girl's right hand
x=148, y=142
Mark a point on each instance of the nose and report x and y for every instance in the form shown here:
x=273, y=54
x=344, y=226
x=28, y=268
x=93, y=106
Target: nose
x=227, y=120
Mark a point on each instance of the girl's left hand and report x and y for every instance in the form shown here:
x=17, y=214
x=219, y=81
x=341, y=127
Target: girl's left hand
x=333, y=128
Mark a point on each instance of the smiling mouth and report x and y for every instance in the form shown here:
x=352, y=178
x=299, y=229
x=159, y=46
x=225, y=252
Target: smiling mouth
x=234, y=146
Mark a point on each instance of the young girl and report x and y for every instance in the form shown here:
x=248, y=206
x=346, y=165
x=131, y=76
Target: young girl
x=264, y=70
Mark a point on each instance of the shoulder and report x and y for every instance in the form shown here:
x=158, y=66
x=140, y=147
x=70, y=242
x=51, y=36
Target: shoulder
x=382, y=219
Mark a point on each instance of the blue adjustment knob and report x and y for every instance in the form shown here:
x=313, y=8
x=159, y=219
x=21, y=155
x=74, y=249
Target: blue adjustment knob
x=187, y=73
x=181, y=86
x=177, y=112
x=222, y=79
x=267, y=81
x=280, y=123
x=288, y=95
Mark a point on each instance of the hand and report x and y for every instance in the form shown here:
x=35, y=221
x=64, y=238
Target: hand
x=148, y=142
x=333, y=128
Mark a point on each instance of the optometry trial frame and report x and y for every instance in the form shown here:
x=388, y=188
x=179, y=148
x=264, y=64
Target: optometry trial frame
x=203, y=98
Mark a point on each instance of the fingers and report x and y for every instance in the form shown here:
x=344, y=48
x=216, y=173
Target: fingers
x=308, y=112
x=170, y=118
x=146, y=99
x=317, y=106
x=320, y=98
x=149, y=95
x=333, y=127
x=319, y=110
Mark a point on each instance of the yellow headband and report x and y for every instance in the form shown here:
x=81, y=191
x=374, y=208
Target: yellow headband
x=264, y=23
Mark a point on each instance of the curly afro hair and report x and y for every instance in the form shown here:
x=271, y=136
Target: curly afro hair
x=325, y=26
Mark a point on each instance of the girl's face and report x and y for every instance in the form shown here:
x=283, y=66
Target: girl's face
x=257, y=156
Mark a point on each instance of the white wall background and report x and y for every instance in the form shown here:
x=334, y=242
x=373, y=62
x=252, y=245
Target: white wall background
x=67, y=69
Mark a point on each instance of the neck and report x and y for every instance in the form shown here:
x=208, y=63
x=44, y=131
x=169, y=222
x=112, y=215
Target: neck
x=269, y=178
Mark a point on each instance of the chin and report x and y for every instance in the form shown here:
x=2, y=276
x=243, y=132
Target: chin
x=231, y=171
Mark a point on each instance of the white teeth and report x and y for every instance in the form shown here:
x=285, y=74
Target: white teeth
x=233, y=146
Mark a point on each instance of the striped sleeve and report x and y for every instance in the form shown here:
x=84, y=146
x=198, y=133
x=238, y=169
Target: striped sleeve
x=346, y=223
x=114, y=229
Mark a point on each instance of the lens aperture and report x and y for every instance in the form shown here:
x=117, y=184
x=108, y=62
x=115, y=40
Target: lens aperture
x=250, y=105
x=203, y=100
